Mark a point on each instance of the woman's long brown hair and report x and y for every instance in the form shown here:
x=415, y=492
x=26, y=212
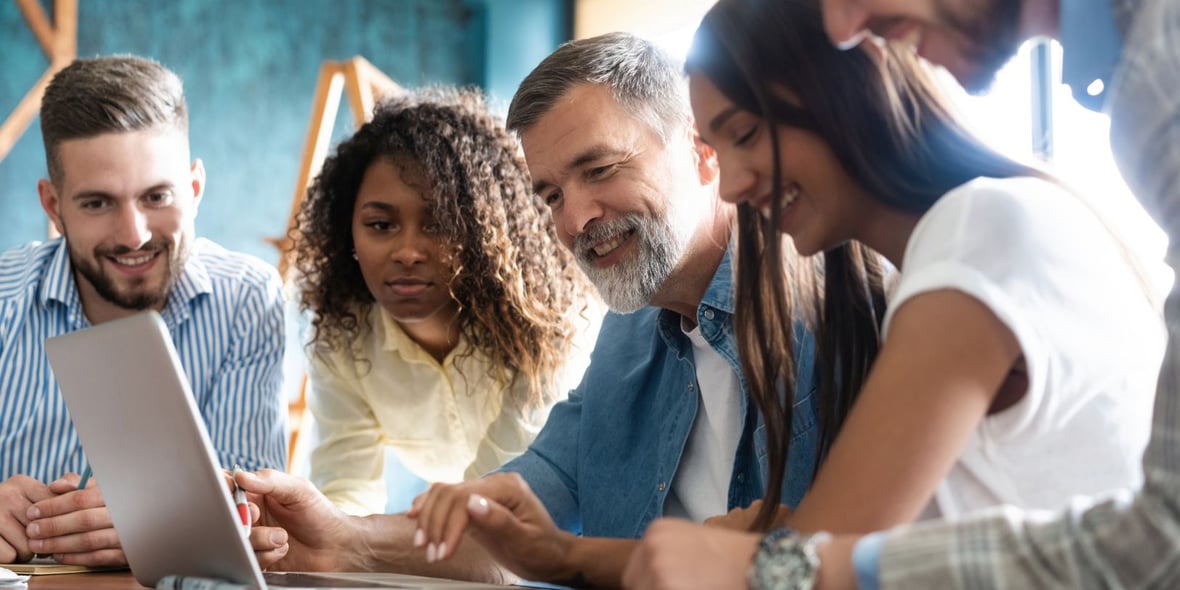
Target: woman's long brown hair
x=893, y=133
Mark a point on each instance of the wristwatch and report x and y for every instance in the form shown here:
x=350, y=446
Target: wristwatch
x=785, y=561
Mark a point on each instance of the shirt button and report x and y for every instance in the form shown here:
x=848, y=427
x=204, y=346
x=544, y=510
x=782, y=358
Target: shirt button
x=691, y=387
x=708, y=314
x=662, y=486
x=741, y=478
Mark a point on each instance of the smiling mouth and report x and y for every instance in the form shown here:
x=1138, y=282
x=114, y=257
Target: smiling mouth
x=603, y=249
x=134, y=260
x=790, y=194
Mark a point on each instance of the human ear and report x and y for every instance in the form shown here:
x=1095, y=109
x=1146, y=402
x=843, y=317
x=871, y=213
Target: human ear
x=50, y=202
x=706, y=160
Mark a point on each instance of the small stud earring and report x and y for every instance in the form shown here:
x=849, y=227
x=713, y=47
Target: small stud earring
x=354, y=256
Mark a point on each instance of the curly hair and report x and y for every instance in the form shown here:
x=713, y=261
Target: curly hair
x=517, y=287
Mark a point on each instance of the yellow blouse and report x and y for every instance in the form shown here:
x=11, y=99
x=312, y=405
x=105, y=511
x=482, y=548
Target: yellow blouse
x=447, y=422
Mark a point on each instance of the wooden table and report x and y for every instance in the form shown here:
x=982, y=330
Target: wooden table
x=96, y=581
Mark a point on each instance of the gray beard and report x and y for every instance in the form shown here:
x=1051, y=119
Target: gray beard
x=630, y=284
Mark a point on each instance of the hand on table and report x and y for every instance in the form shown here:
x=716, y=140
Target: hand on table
x=74, y=525
x=680, y=554
x=17, y=494
x=503, y=515
x=296, y=527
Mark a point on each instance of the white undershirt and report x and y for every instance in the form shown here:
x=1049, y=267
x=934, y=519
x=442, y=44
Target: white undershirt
x=701, y=486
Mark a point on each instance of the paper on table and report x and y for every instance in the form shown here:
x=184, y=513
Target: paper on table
x=9, y=580
x=45, y=566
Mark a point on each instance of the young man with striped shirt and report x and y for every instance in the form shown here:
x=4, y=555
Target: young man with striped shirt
x=124, y=193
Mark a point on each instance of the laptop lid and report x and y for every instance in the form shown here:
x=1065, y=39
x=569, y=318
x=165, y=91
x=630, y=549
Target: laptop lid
x=134, y=412
x=148, y=447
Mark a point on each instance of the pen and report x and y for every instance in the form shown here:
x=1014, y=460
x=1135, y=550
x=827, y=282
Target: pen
x=240, y=502
x=85, y=478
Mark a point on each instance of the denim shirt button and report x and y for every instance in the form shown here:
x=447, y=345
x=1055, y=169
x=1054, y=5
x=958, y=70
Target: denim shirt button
x=662, y=486
x=741, y=478
x=691, y=386
x=709, y=314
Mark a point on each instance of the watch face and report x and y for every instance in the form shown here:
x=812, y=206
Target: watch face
x=785, y=562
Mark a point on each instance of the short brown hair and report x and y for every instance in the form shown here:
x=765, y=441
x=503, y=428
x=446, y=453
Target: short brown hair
x=111, y=94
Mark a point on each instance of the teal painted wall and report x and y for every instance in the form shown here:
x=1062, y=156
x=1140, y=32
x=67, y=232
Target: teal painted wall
x=250, y=69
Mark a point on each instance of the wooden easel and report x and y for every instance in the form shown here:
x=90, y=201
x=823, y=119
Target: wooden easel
x=364, y=85
x=60, y=44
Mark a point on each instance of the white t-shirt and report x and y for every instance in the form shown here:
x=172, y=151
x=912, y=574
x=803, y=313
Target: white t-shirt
x=700, y=488
x=1092, y=340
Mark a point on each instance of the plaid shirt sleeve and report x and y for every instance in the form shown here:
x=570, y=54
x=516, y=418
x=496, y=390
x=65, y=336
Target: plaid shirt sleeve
x=1131, y=540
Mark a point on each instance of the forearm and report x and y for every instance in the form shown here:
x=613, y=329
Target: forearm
x=597, y=561
x=384, y=543
x=1114, y=543
x=1132, y=541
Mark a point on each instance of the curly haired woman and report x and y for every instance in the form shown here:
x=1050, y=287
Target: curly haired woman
x=447, y=316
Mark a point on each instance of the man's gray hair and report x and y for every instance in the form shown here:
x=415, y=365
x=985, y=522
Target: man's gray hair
x=643, y=78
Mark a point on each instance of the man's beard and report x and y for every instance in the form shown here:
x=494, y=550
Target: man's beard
x=993, y=36
x=630, y=283
x=135, y=297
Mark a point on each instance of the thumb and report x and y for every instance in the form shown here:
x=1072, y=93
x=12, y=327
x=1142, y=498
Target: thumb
x=67, y=483
x=277, y=486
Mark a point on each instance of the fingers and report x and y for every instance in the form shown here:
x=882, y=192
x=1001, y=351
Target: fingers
x=14, y=543
x=491, y=522
x=267, y=559
x=105, y=557
x=80, y=521
x=442, y=518
x=17, y=494
x=270, y=545
x=267, y=538
x=443, y=511
x=277, y=486
x=76, y=523
x=67, y=503
x=68, y=483
x=82, y=542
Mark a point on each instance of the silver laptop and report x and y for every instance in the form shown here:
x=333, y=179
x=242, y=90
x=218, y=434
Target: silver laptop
x=147, y=445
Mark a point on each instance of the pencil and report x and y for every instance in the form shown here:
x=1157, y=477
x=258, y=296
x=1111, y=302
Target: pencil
x=85, y=478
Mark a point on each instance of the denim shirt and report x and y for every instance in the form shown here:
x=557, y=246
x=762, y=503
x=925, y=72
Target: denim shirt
x=604, y=462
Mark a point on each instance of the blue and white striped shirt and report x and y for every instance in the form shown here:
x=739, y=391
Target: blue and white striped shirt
x=225, y=315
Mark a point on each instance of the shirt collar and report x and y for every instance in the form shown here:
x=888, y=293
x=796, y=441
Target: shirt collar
x=59, y=285
x=194, y=282
x=58, y=282
x=718, y=296
x=395, y=339
x=1092, y=45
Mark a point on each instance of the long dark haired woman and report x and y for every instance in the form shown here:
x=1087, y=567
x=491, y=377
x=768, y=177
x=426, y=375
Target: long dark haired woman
x=999, y=358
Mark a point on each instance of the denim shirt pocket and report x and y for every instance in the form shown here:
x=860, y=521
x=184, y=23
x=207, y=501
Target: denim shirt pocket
x=801, y=455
